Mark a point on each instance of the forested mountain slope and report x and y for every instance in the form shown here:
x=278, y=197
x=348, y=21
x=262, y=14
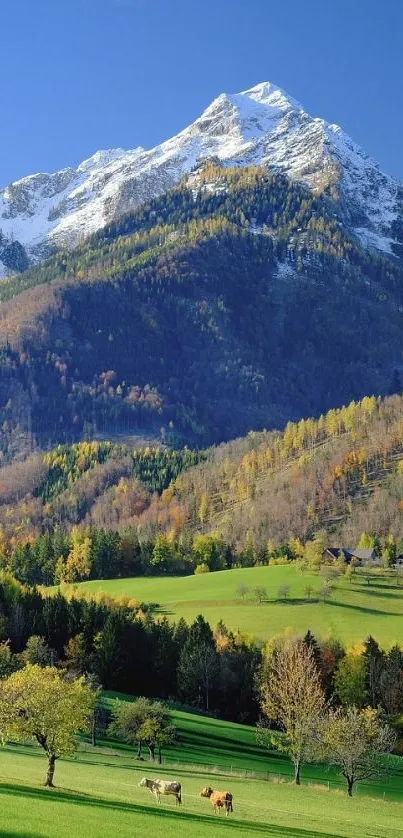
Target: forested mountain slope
x=341, y=474
x=236, y=301
x=87, y=484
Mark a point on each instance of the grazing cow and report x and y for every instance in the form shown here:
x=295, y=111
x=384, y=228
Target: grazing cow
x=218, y=799
x=159, y=787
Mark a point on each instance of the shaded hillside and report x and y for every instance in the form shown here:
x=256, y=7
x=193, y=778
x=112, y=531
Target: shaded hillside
x=204, y=314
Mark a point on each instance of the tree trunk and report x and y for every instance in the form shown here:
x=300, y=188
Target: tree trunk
x=350, y=784
x=159, y=755
x=94, y=728
x=151, y=748
x=139, y=754
x=51, y=770
x=297, y=769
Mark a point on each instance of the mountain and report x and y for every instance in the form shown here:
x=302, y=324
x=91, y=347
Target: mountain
x=235, y=301
x=262, y=126
x=239, y=299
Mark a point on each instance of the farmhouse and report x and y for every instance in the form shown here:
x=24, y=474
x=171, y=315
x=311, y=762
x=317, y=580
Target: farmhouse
x=362, y=555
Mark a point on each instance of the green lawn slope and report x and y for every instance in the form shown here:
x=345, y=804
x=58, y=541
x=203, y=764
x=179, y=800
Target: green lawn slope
x=222, y=747
x=355, y=609
x=98, y=794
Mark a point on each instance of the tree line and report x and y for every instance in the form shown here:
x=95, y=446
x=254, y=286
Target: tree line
x=129, y=648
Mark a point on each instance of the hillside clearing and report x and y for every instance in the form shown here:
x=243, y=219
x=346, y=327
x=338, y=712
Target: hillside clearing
x=355, y=609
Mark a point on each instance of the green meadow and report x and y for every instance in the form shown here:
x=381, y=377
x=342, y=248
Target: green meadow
x=206, y=743
x=98, y=794
x=354, y=610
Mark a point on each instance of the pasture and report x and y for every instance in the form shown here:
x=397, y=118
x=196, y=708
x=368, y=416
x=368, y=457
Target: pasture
x=98, y=794
x=97, y=791
x=355, y=609
x=215, y=746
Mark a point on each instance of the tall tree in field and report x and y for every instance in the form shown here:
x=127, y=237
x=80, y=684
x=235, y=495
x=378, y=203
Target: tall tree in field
x=36, y=703
x=143, y=722
x=127, y=718
x=356, y=740
x=292, y=697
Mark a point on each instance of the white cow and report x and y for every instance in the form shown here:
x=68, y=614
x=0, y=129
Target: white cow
x=159, y=787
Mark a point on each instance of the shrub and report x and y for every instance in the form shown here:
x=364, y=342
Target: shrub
x=201, y=568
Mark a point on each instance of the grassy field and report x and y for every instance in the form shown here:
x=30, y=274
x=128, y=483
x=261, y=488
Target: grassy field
x=97, y=793
x=355, y=610
x=229, y=748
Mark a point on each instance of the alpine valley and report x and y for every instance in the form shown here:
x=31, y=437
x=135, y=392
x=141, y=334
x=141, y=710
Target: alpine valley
x=244, y=273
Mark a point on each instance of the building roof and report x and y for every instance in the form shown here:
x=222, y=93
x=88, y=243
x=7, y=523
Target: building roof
x=361, y=553
x=335, y=551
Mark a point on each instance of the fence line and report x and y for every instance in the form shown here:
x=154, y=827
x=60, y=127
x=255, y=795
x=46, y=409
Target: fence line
x=240, y=773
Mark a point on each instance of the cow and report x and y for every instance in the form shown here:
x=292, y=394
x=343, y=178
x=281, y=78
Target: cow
x=159, y=787
x=218, y=799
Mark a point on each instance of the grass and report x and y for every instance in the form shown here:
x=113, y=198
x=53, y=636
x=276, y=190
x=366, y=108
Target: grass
x=354, y=610
x=206, y=743
x=98, y=794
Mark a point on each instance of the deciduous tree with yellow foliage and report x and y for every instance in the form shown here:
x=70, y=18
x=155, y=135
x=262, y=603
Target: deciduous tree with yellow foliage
x=37, y=703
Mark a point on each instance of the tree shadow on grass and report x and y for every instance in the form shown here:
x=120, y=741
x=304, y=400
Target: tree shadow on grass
x=222, y=743
x=181, y=817
x=386, y=594
x=376, y=583
x=14, y=834
x=360, y=608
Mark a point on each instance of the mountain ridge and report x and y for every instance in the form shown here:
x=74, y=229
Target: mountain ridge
x=234, y=301
x=259, y=126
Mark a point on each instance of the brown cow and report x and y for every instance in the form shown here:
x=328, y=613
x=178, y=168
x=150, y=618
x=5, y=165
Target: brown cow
x=218, y=799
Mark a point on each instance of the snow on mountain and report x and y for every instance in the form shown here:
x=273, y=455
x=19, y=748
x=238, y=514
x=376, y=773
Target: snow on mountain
x=263, y=126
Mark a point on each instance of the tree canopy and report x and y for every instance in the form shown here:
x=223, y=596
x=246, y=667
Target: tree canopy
x=37, y=703
x=357, y=741
x=292, y=696
x=143, y=722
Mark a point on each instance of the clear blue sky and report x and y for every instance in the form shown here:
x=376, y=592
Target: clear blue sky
x=79, y=75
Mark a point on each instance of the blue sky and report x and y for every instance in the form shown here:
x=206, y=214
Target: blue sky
x=79, y=75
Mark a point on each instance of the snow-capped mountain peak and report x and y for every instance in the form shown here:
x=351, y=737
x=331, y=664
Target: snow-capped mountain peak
x=269, y=94
x=262, y=126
